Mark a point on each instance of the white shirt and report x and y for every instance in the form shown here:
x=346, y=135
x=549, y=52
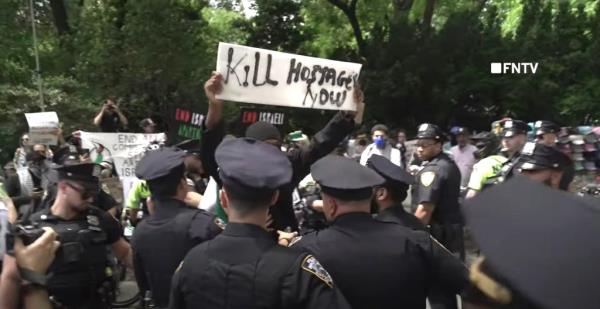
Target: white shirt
x=388, y=152
x=464, y=159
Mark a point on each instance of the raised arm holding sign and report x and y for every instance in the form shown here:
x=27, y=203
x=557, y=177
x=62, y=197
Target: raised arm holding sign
x=271, y=87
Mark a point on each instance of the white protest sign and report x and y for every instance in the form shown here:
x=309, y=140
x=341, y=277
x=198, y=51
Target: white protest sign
x=255, y=75
x=125, y=149
x=43, y=128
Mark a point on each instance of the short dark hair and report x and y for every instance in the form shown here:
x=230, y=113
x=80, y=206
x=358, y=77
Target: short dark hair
x=167, y=185
x=242, y=203
x=398, y=192
x=380, y=127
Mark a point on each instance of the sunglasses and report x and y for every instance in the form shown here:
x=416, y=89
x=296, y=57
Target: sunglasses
x=85, y=192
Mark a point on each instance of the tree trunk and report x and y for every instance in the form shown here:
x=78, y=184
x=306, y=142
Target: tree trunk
x=61, y=20
x=428, y=14
x=349, y=10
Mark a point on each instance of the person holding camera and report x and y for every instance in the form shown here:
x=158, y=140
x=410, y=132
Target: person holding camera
x=79, y=274
x=33, y=261
x=110, y=118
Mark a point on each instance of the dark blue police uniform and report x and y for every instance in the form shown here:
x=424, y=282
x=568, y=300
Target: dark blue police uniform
x=244, y=267
x=162, y=240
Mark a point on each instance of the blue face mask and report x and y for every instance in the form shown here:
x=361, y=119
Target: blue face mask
x=380, y=142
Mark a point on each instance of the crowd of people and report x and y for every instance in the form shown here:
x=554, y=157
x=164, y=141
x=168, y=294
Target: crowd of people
x=337, y=220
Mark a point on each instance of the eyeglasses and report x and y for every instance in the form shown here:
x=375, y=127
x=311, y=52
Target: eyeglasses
x=84, y=192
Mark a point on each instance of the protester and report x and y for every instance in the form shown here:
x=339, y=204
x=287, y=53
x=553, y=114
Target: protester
x=401, y=145
x=20, y=158
x=322, y=143
x=110, y=118
x=462, y=154
x=381, y=146
x=148, y=126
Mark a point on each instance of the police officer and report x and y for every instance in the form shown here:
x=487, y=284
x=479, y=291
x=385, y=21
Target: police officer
x=162, y=240
x=244, y=267
x=79, y=270
x=436, y=190
x=376, y=264
x=542, y=163
x=389, y=196
x=514, y=137
x=533, y=264
x=489, y=164
x=546, y=133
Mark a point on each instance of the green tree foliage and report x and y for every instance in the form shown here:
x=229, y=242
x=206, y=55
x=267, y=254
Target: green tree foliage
x=422, y=60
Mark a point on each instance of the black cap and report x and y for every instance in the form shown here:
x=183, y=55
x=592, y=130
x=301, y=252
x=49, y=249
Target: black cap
x=81, y=172
x=536, y=156
x=263, y=131
x=147, y=122
x=542, y=127
x=392, y=173
x=67, y=154
x=160, y=163
x=512, y=127
x=541, y=242
x=251, y=167
x=190, y=146
x=430, y=131
x=345, y=178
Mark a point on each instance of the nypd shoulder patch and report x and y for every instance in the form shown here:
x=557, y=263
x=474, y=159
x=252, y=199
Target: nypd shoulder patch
x=311, y=265
x=427, y=178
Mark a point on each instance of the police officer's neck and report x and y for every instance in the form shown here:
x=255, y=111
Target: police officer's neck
x=62, y=210
x=256, y=217
x=385, y=204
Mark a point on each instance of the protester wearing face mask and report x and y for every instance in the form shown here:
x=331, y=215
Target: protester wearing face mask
x=380, y=146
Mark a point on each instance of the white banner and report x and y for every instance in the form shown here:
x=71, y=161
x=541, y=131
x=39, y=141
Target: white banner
x=262, y=76
x=43, y=128
x=125, y=150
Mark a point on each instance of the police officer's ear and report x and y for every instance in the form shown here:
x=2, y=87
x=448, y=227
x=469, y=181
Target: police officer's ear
x=274, y=198
x=381, y=193
x=224, y=199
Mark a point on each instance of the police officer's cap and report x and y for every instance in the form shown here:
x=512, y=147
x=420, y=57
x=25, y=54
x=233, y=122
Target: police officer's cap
x=512, y=127
x=430, y=131
x=392, y=173
x=190, y=146
x=462, y=131
x=159, y=163
x=81, y=172
x=535, y=156
x=542, y=127
x=540, y=240
x=344, y=178
x=251, y=167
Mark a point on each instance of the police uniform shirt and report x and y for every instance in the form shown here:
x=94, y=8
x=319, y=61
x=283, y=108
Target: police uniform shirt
x=438, y=183
x=85, y=236
x=244, y=267
x=398, y=215
x=162, y=240
x=356, y=250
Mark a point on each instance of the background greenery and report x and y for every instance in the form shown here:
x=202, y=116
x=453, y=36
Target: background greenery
x=424, y=60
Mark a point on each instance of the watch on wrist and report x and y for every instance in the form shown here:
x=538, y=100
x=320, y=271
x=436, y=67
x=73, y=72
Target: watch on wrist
x=33, y=278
